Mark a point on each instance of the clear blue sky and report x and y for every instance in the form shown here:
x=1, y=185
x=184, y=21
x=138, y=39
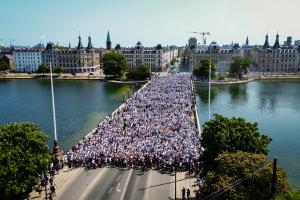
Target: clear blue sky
x=150, y=21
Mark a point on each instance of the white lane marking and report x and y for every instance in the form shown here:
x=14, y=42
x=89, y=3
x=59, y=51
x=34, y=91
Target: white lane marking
x=147, y=185
x=118, y=188
x=126, y=184
x=90, y=187
x=118, y=179
x=111, y=189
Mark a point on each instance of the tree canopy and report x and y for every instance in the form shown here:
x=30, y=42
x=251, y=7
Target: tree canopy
x=202, y=70
x=141, y=73
x=4, y=65
x=43, y=69
x=24, y=155
x=114, y=64
x=239, y=66
x=230, y=135
x=236, y=166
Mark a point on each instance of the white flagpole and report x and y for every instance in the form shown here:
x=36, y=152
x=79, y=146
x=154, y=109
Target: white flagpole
x=53, y=104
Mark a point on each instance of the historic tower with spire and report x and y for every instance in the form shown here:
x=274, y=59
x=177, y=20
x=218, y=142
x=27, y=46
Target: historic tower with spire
x=276, y=45
x=247, y=41
x=89, y=46
x=108, y=42
x=79, y=46
x=266, y=45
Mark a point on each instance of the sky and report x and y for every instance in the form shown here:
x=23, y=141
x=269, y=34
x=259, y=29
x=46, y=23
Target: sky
x=168, y=22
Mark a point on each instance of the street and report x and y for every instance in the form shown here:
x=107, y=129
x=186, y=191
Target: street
x=111, y=183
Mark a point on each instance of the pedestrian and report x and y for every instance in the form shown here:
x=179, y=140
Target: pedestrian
x=183, y=193
x=188, y=194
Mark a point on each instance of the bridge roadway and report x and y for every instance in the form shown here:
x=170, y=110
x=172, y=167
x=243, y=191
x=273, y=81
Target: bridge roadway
x=118, y=184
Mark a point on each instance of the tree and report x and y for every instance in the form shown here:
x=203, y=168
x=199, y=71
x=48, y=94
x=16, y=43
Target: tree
x=43, y=69
x=24, y=155
x=289, y=195
x=173, y=61
x=114, y=64
x=239, y=66
x=58, y=70
x=230, y=135
x=141, y=73
x=232, y=167
x=4, y=65
x=202, y=70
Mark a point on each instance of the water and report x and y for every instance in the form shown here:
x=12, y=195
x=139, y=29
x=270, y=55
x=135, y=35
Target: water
x=81, y=105
x=276, y=108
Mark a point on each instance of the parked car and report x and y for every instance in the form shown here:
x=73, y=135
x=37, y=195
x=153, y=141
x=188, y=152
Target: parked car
x=73, y=73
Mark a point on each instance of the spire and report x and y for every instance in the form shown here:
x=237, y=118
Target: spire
x=108, y=42
x=276, y=45
x=108, y=37
x=266, y=45
x=69, y=45
x=247, y=41
x=79, y=43
x=90, y=46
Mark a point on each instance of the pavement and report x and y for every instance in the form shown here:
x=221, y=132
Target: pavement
x=112, y=183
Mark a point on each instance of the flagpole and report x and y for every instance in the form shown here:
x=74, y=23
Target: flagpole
x=209, y=87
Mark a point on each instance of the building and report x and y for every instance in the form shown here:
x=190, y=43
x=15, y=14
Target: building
x=27, y=59
x=277, y=58
x=77, y=60
x=6, y=56
x=220, y=56
x=108, y=42
x=158, y=58
x=297, y=42
x=192, y=43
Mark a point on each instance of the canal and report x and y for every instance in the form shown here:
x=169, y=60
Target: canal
x=82, y=104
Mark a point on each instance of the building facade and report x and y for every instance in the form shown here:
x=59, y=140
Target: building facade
x=158, y=58
x=220, y=56
x=27, y=60
x=77, y=60
x=277, y=58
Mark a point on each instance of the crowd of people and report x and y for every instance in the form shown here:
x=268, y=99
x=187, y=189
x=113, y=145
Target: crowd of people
x=155, y=127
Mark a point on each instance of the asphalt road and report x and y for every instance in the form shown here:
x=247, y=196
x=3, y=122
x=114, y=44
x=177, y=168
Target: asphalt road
x=111, y=184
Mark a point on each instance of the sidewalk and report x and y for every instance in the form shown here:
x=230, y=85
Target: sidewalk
x=62, y=180
x=184, y=180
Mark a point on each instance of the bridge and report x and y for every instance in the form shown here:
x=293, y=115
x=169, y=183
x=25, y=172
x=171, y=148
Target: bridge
x=135, y=152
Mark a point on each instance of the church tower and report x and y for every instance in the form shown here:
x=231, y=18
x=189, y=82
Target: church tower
x=276, y=45
x=108, y=42
x=79, y=46
x=266, y=45
x=89, y=46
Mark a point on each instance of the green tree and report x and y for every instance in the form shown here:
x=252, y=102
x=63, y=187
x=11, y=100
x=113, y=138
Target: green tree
x=24, y=155
x=114, y=64
x=239, y=66
x=232, y=167
x=141, y=73
x=173, y=61
x=230, y=134
x=3, y=65
x=43, y=69
x=289, y=195
x=58, y=70
x=202, y=70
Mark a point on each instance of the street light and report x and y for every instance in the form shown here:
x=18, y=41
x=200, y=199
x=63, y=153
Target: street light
x=209, y=87
x=56, y=149
x=124, y=97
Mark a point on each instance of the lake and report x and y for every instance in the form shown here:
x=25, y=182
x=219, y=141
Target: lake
x=82, y=104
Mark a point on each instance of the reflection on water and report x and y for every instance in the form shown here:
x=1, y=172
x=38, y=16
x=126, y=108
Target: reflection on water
x=276, y=108
x=80, y=105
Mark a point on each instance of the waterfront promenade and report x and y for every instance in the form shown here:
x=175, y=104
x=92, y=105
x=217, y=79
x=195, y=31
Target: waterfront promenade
x=134, y=152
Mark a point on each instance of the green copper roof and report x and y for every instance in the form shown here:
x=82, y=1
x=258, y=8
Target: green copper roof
x=108, y=37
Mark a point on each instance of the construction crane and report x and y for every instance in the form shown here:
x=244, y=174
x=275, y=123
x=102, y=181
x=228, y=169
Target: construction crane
x=204, y=34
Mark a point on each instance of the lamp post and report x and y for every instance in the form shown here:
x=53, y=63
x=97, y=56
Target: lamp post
x=56, y=149
x=150, y=64
x=124, y=97
x=209, y=87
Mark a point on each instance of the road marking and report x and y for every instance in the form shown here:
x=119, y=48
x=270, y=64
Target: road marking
x=118, y=179
x=118, y=188
x=111, y=189
x=126, y=184
x=147, y=185
x=90, y=187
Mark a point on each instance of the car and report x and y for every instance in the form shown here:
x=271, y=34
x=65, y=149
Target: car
x=91, y=73
x=73, y=73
